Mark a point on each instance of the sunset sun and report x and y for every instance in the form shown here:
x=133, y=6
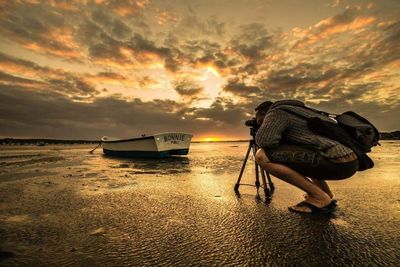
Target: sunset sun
x=210, y=139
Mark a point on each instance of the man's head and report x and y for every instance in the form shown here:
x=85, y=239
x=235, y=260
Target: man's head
x=261, y=110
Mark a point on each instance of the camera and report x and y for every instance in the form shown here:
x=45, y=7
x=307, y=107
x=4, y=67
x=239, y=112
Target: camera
x=251, y=123
x=253, y=126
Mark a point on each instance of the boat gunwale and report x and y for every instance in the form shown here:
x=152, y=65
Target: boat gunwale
x=127, y=140
x=141, y=138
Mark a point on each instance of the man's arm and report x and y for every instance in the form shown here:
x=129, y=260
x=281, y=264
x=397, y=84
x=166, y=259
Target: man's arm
x=272, y=128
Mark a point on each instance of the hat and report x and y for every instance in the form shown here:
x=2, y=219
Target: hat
x=264, y=106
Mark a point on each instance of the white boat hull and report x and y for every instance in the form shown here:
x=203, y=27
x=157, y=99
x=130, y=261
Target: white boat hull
x=158, y=145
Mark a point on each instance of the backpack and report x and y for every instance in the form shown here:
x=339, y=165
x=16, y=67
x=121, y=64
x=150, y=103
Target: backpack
x=349, y=129
x=359, y=128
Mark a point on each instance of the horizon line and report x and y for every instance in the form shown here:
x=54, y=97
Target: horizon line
x=95, y=140
x=3, y=138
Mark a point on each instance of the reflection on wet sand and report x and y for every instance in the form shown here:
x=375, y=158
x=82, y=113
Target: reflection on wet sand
x=164, y=166
x=63, y=206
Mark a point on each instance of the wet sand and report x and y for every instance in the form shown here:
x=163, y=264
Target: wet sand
x=60, y=205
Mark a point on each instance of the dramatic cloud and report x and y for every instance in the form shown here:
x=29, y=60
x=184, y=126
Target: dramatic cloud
x=13, y=70
x=252, y=42
x=210, y=26
x=347, y=21
x=188, y=89
x=239, y=88
x=222, y=112
x=122, y=67
x=125, y=8
x=38, y=28
x=47, y=114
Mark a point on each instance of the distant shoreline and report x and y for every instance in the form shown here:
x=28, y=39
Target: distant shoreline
x=45, y=141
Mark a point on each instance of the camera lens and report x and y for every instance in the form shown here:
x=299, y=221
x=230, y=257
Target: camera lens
x=251, y=123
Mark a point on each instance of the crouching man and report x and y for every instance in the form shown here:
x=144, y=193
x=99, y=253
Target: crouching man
x=294, y=154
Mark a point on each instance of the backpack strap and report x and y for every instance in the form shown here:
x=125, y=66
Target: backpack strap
x=324, y=113
x=329, y=115
x=294, y=113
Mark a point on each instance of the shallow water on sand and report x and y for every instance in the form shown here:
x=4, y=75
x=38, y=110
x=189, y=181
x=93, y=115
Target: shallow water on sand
x=60, y=205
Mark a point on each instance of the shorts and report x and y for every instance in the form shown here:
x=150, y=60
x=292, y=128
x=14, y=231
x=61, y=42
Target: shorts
x=310, y=163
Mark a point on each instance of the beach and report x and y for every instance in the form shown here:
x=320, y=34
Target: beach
x=60, y=206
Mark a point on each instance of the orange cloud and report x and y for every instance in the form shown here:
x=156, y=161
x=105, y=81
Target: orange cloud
x=395, y=64
x=65, y=37
x=58, y=42
x=342, y=23
x=107, y=77
x=14, y=68
x=66, y=5
x=30, y=1
x=26, y=74
x=146, y=81
x=144, y=58
x=28, y=69
x=50, y=50
x=125, y=8
x=117, y=64
x=26, y=83
x=335, y=3
x=331, y=27
x=164, y=17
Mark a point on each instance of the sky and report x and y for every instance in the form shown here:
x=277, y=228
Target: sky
x=83, y=69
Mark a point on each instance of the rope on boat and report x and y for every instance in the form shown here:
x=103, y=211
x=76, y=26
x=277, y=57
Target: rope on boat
x=91, y=151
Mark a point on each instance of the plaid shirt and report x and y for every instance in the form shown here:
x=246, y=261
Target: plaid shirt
x=281, y=127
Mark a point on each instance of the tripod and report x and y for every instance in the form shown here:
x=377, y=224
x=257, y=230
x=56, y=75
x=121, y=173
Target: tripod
x=269, y=187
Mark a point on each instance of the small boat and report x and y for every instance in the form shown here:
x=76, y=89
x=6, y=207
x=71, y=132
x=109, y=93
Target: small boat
x=154, y=146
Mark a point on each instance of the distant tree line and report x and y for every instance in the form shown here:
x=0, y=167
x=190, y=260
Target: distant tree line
x=42, y=141
x=391, y=136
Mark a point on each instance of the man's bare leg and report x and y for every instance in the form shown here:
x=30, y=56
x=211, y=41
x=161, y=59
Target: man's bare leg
x=317, y=196
x=323, y=185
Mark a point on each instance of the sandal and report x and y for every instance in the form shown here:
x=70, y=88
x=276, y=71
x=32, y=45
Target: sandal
x=331, y=207
x=333, y=202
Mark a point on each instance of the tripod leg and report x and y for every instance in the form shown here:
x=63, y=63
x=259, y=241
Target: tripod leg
x=271, y=184
x=268, y=190
x=265, y=185
x=257, y=183
x=257, y=178
x=236, y=188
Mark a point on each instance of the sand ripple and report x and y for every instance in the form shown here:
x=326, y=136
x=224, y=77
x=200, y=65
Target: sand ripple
x=91, y=210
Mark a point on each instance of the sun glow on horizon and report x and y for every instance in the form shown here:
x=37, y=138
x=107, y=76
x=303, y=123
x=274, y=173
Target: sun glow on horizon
x=210, y=139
